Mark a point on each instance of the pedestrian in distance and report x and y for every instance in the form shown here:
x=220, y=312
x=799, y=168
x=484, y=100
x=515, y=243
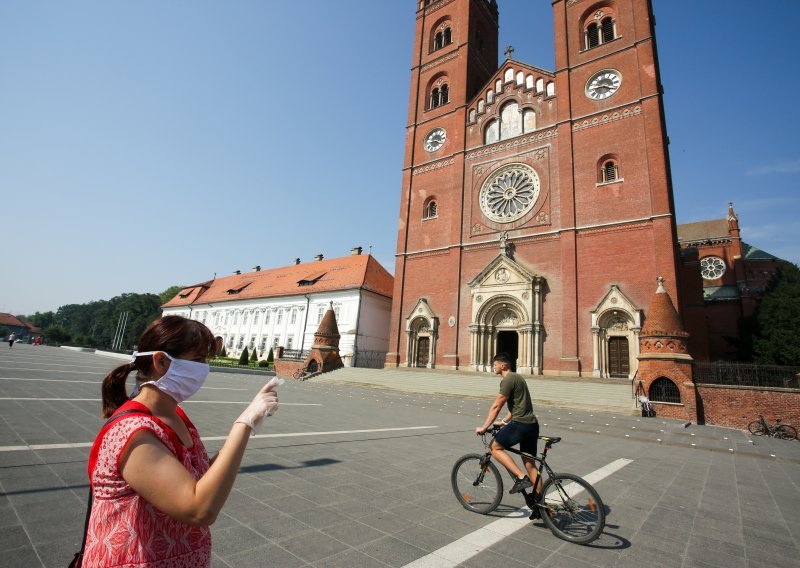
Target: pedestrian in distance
x=11, y=339
x=519, y=426
x=155, y=491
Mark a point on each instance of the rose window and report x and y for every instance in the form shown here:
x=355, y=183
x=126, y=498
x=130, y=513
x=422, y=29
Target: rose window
x=712, y=267
x=510, y=193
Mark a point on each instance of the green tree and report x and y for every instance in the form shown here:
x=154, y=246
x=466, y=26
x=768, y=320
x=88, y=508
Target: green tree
x=223, y=353
x=4, y=332
x=270, y=358
x=57, y=334
x=243, y=358
x=777, y=319
x=168, y=294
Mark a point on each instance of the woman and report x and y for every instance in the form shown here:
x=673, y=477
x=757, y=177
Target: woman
x=155, y=490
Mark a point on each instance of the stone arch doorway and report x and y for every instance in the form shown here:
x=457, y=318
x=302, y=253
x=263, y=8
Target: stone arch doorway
x=503, y=325
x=616, y=323
x=422, y=331
x=508, y=342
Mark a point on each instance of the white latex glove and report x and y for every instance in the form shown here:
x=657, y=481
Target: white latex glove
x=264, y=404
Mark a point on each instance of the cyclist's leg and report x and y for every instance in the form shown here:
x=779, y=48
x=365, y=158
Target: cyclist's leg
x=528, y=445
x=505, y=459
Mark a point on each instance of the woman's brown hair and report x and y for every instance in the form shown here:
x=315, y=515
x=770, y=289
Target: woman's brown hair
x=174, y=335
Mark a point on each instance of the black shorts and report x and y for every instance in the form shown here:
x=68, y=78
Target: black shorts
x=513, y=433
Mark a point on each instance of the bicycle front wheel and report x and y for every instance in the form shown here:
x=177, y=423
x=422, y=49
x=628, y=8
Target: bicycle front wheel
x=756, y=428
x=572, y=509
x=786, y=432
x=477, y=483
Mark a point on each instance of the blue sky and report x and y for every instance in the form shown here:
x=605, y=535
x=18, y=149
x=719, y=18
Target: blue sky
x=145, y=144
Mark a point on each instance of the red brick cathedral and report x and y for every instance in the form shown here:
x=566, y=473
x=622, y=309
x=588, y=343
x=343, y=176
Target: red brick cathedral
x=536, y=210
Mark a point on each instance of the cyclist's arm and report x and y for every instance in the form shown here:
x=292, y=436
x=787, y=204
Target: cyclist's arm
x=494, y=410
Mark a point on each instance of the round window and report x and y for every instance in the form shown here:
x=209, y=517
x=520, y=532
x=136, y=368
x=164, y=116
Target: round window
x=712, y=267
x=510, y=193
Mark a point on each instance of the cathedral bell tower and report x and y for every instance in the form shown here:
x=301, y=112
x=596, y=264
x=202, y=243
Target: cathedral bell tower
x=455, y=53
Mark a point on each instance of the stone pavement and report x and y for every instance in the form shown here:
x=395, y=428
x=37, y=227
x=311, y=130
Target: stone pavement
x=594, y=394
x=352, y=476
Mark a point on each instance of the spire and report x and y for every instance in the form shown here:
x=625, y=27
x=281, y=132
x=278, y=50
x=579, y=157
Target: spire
x=327, y=332
x=662, y=317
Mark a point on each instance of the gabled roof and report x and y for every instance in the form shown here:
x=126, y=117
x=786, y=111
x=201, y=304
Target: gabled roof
x=753, y=253
x=8, y=319
x=346, y=273
x=703, y=231
x=518, y=66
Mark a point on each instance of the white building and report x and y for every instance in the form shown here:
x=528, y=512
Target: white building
x=284, y=306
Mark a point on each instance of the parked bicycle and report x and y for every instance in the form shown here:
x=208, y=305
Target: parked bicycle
x=569, y=506
x=782, y=431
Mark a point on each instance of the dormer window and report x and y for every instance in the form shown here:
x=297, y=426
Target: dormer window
x=311, y=279
x=238, y=290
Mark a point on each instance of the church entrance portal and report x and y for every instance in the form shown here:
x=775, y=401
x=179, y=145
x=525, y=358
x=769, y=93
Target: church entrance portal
x=423, y=351
x=618, y=357
x=508, y=342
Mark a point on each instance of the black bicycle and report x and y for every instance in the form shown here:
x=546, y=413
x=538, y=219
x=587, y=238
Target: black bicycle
x=781, y=431
x=569, y=506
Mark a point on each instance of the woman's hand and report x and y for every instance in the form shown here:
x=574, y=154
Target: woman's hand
x=264, y=404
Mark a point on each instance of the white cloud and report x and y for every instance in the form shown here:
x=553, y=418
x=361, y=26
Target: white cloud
x=792, y=167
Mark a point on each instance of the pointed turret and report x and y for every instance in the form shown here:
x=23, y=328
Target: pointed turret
x=663, y=320
x=327, y=334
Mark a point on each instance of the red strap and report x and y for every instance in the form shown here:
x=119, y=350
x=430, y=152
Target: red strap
x=134, y=408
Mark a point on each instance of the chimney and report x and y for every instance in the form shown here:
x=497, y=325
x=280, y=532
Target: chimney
x=237, y=271
x=356, y=251
x=319, y=257
x=257, y=268
x=297, y=261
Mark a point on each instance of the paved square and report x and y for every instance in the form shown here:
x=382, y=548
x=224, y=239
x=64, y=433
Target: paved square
x=356, y=476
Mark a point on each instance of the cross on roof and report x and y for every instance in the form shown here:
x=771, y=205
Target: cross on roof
x=509, y=51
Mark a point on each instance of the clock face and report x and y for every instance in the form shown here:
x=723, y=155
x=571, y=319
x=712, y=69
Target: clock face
x=435, y=139
x=603, y=84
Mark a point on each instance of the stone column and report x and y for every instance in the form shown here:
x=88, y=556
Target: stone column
x=635, y=350
x=474, y=341
x=596, y=351
x=432, y=351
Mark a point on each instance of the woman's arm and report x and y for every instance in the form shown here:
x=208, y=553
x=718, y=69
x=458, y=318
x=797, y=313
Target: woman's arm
x=154, y=473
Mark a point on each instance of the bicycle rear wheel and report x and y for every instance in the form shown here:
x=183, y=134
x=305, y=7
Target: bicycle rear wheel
x=477, y=483
x=756, y=428
x=786, y=432
x=572, y=509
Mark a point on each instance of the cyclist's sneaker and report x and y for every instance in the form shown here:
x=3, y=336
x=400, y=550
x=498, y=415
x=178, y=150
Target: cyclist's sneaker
x=535, y=514
x=521, y=484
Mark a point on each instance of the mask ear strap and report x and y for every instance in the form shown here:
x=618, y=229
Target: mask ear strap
x=143, y=353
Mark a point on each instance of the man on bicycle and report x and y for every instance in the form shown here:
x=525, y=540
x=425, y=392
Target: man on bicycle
x=518, y=427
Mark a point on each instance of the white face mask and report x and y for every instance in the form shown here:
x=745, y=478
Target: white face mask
x=181, y=381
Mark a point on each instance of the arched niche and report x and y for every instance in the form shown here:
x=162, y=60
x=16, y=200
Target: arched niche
x=616, y=323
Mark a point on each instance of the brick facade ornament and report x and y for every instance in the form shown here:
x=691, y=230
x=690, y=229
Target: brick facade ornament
x=324, y=354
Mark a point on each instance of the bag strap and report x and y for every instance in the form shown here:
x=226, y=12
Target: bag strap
x=110, y=421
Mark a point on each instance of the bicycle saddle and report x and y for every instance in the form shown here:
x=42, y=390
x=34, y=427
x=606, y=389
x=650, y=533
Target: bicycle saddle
x=550, y=440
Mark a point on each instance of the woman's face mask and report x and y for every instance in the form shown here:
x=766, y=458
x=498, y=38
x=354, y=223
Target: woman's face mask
x=181, y=381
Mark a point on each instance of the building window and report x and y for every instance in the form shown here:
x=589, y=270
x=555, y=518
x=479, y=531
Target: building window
x=440, y=96
x=712, y=267
x=241, y=342
x=609, y=172
x=263, y=346
x=236, y=318
x=430, y=209
x=230, y=342
x=664, y=390
x=490, y=96
x=443, y=38
x=276, y=342
x=472, y=115
x=551, y=89
x=320, y=313
x=256, y=317
x=246, y=318
x=336, y=312
x=492, y=133
x=289, y=341
x=279, y=319
x=252, y=342
x=510, y=121
x=294, y=317
x=267, y=316
x=539, y=85
x=528, y=120
x=599, y=33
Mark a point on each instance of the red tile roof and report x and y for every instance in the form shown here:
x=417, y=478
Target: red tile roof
x=8, y=319
x=346, y=273
x=703, y=231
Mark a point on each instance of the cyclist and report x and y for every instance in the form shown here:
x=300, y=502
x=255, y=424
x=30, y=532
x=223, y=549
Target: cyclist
x=518, y=427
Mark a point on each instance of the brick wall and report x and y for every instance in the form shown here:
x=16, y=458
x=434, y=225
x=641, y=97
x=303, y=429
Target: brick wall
x=736, y=407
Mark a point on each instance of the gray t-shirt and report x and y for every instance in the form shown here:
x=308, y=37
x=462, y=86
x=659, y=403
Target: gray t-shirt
x=515, y=389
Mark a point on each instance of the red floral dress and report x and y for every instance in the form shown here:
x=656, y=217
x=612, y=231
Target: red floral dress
x=124, y=529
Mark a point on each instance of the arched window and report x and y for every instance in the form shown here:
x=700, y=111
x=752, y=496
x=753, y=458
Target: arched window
x=440, y=96
x=520, y=78
x=430, y=210
x=528, y=120
x=551, y=89
x=447, y=37
x=529, y=82
x=539, y=85
x=490, y=96
x=481, y=106
x=510, y=121
x=472, y=115
x=592, y=36
x=607, y=32
x=609, y=172
x=509, y=76
x=438, y=41
x=492, y=133
x=664, y=390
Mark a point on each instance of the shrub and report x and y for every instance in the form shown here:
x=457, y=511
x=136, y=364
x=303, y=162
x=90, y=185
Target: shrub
x=263, y=363
x=270, y=357
x=243, y=358
x=223, y=353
